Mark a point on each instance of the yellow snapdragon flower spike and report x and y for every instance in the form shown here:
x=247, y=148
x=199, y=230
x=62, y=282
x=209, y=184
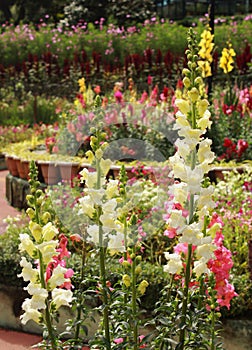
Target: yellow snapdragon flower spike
x=205, y=53
x=82, y=85
x=226, y=61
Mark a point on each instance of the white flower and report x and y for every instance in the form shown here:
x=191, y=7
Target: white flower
x=109, y=207
x=28, y=273
x=192, y=136
x=90, y=178
x=48, y=250
x=180, y=192
x=191, y=234
x=96, y=195
x=93, y=232
x=204, y=153
x=200, y=267
x=30, y=313
x=87, y=207
x=204, y=122
x=182, y=148
x=176, y=220
x=206, y=198
x=194, y=178
x=116, y=243
x=105, y=166
x=108, y=222
x=61, y=297
x=206, y=251
x=26, y=244
x=57, y=278
x=112, y=189
x=174, y=263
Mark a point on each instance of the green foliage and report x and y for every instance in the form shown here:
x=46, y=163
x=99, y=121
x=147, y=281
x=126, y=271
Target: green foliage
x=9, y=254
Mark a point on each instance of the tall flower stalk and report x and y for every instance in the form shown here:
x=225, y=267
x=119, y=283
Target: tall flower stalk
x=49, y=279
x=192, y=196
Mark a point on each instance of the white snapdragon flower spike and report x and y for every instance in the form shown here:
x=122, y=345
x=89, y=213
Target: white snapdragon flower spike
x=190, y=163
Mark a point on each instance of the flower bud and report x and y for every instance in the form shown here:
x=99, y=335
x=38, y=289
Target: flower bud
x=30, y=212
x=46, y=217
x=186, y=72
x=126, y=264
x=186, y=82
x=194, y=94
x=138, y=270
x=199, y=81
x=98, y=153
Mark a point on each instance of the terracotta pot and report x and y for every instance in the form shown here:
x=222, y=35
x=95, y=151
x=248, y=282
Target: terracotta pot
x=68, y=170
x=21, y=170
x=12, y=165
x=116, y=170
x=50, y=172
x=26, y=168
x=218, y=173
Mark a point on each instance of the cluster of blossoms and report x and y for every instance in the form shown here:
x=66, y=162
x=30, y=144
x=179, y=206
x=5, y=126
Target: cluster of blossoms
x=221, y=265
x=226, y=60
x=233, y=150
x=49, y=278
x=206, y=47
x=192, y=197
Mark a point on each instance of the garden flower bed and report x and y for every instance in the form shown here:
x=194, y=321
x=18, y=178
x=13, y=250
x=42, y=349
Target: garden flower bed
x=160, y=256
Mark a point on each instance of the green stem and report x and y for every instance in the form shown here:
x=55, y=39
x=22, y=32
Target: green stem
x=105, y=297
x=189, y=250
x=134, y=302
x=48, y=320
x=212, y=329
x=79, y=313
x=102, y=254
x=185, y=297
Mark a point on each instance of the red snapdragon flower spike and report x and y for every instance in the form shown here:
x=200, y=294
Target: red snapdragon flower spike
x=149, y=80
x=227, y=142
x=228, y=109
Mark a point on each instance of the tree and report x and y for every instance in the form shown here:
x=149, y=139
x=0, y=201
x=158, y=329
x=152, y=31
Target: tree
x=129, y=12
x=85, y=11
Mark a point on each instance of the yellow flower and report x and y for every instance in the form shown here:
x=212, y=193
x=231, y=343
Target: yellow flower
x=36, y=230
x=206, y=68
x=126, y=280
x=205, y=53
x=82, y=85
x=26, y=244
x=142, y=287
x=49, y=231
x=226, y=59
